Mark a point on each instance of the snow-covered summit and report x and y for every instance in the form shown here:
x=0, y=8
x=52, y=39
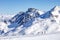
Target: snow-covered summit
x=56, y=13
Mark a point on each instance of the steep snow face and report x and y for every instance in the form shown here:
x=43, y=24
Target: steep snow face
x=56, y=14
x=40, y=12
x=35, y=28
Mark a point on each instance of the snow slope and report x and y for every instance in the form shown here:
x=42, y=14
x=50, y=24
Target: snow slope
x=55, y=36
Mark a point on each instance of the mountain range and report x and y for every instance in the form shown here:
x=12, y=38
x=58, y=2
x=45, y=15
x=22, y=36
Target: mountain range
x=31, y=22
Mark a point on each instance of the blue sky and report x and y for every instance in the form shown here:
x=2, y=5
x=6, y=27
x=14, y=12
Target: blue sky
x=15, y=6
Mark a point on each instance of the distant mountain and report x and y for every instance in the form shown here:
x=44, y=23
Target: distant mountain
x=32, y=22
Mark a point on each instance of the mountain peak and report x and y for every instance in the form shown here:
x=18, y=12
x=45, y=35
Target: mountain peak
x=31, y=9
x=56, y=13
x=57, y=7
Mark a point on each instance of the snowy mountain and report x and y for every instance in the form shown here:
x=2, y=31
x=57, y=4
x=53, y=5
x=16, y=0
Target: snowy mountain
x=56, y=13
x=31, y=22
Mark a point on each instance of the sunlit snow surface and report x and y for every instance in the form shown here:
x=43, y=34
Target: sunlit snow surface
x=54, y=36
x=31, y=25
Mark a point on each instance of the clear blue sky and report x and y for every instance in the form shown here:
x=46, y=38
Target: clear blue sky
x=15, y=6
